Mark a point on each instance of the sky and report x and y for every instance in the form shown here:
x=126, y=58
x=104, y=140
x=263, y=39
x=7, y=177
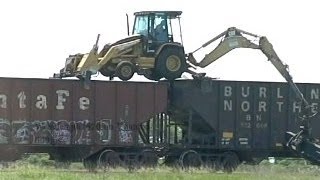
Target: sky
x=36, y=36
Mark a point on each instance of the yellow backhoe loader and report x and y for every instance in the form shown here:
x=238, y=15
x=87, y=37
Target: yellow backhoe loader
x=150, y=51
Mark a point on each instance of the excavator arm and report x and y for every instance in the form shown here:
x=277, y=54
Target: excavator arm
x=233, y=38
x=302, y=142
x=230, y=39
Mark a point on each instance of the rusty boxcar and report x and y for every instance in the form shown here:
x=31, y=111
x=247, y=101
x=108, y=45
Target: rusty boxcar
x=189, y=122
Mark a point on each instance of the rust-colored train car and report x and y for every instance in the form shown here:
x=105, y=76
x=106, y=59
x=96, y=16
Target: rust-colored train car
x=70, y=122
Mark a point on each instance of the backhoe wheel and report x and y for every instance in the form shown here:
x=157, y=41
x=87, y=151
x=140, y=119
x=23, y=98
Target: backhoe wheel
x=153, y=76
x=105, y=71
x=171, y=63
x=125, y=70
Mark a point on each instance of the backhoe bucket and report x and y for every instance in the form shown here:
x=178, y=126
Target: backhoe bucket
x=302, y=145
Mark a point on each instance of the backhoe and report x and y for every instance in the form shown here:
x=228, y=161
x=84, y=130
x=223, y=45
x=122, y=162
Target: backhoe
x=153, y=52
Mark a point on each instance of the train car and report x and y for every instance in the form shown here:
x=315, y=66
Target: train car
x=205, y=122
x=71, y=123
x=228, y=122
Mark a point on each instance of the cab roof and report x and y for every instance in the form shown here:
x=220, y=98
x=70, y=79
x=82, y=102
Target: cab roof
x=171, y=14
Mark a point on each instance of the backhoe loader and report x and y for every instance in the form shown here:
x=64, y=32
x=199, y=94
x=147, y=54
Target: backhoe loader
x=151, y=51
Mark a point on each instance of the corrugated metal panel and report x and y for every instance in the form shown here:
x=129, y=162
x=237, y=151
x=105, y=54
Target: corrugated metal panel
x=227, y=99
x=313, y=97
x=279, y=104
x=261, y=115
x=105, y=111
x=145, y=93
x=201, y=98
x=161, y=97
x=83, y=114
x=294, y=108
x=5, y=110
x=126, y=113
x=245, y=115
x=62, y=112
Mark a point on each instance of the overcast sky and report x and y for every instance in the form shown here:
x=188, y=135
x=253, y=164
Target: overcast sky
x=37, y=35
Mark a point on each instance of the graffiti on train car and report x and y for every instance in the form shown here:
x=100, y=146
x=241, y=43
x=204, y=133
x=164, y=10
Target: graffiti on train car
x=61, y=132
x=55, y=132
x=64, y=132
x=125, y=133
x=4, y=131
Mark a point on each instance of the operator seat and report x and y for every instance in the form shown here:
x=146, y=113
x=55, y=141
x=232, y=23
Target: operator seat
x=161, y=32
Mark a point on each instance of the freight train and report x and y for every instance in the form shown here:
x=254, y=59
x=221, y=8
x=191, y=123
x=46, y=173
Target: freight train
x=189, y=123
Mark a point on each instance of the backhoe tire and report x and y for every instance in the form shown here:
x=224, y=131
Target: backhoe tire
x=171, y=63
x=105, y=71
x=125, y=70
x=153, y=76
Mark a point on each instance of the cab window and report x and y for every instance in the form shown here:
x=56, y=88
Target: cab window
x=141, y=25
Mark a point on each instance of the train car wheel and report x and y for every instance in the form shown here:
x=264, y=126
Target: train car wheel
x=230, y=161
x=190, y=159
x=90, y=164
x=109, y=159
x=148, y=158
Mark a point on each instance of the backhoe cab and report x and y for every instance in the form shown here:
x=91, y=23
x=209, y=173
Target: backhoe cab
x=150, y=51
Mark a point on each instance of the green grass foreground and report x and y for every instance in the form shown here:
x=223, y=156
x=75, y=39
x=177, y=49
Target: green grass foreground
x=163, y=173
x=40, y=167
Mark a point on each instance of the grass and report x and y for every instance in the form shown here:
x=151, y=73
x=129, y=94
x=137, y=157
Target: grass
x=41, y=168
x=42, y=173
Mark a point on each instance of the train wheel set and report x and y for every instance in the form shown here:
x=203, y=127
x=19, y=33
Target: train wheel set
x=183, y=159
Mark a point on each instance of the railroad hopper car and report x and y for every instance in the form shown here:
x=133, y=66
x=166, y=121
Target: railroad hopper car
x=227, y=122
x=188, y=122
x=62, y=118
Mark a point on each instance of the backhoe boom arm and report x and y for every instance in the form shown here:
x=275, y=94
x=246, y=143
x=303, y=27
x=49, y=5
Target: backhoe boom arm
x=233, y=38
x=302, y=142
